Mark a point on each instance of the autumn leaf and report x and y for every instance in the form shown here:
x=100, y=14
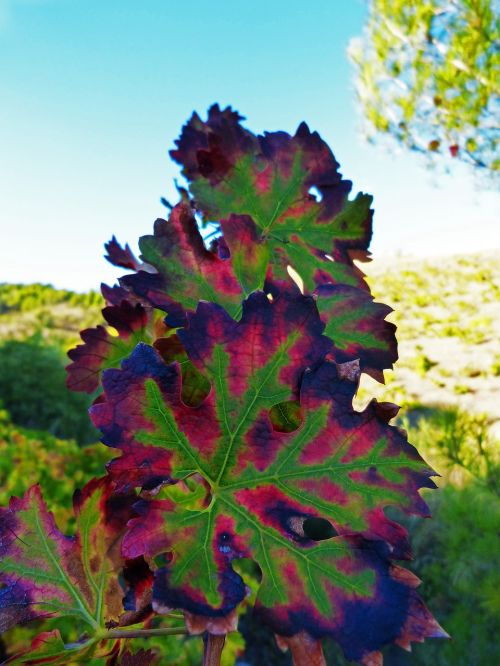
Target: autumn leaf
x=121, y=256
x=48, y=648
x=185, y=270
x=45, y=574
x=133, y=323
x=358, y=328
x=258, y=189
x=271, y=181
x=279, y=468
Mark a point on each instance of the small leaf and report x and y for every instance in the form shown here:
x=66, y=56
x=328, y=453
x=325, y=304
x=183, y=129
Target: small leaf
x=102, y=350
x=358, y=328
x=119, y=256
x=139, y=658
x=48, y=648
x=186, y=271
x=45, y=573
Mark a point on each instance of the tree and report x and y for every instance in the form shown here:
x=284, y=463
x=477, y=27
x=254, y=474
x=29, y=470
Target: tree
x=428, y=76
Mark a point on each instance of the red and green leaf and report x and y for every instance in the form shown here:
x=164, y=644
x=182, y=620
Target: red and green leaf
x=358, y=327
x=45, y=574
x=133, y=323
x=266, y=473
x=121, y=256
x=49, y=648
x=269, y=178
x=186, y=271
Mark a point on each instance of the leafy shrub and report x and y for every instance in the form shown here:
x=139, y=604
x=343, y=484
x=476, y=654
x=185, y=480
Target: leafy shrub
x=58, y=465
x=457, y=555
x=458, y=443
x=33, y=390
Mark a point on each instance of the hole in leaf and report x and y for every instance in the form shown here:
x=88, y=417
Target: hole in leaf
x=296, y=278
x=163, y=559
x=313, y=191
x=319, y=529
x=209, y=231
x=195, y=386
x=248, y=569
x=286, y=416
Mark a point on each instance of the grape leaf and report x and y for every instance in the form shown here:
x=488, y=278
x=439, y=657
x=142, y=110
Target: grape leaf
x=48, y=648
x=266, y=488
x=46, y=574
x=121, y=256
x=258, y=188
x=139, y=658
x=358, y=328
x=132, y=322
x=186, y=271
x=270, y=178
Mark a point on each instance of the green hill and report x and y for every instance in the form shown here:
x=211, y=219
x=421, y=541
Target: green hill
x=57, y=315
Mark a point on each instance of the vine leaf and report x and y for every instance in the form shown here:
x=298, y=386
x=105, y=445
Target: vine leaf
x=270, y=178
x=45, y=574
x=358, y=328
x=49, y=648
x=121, y=256
x=101, y=350
x=267, y=493
x=186, y=271
x=139, y=658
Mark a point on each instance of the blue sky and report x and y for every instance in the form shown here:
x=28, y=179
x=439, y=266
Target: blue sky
x=94, y=92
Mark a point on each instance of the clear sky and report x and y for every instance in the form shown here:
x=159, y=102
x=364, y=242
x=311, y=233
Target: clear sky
x=94, y=92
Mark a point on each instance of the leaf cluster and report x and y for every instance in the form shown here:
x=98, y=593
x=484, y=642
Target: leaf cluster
x=225, y=373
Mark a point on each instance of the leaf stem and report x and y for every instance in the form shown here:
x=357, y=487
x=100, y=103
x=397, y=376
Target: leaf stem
x=143, y=633
x=214, y=645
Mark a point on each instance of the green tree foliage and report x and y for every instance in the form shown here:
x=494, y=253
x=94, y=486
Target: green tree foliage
x=33, y=390
x=457, y=554
x=428, y=75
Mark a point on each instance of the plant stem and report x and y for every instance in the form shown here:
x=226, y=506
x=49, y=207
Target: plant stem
x=144, y=633
x=213, y=649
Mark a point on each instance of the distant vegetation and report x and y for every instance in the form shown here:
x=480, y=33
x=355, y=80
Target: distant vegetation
x=58, y=315
x=33, y=390
x=38, y=324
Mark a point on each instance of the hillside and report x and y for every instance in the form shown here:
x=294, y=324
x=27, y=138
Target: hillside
x=448, y=317
x=57, y=315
